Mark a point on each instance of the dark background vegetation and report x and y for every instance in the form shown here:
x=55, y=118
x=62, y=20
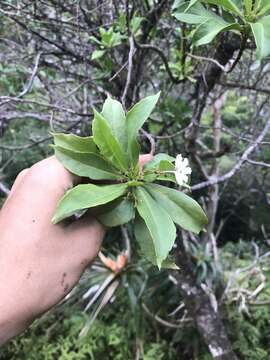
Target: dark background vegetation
x=59, y=59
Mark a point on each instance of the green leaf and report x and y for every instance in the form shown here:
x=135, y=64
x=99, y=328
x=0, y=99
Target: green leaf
x=263, y=7
x=169, y=264
x=119, y=212
x=145, y=240
x=207, y=31
x=196, y=14
x=234, y=6
x=146, y=244
x=261, y=32
x=75, y=143
x=93, y=38
x=210, y=25
x=135, y=119
x=248, y=6
x=86, y=196
x=107, y=143
x=183, y=210
x=114, y=113
x=158, y=222
x=135, y=24
x=89, y=165
x=166, y=165
x=97, y=54
x=161, y=162
x=177, y=3
x=106, y=36
x=192, y=3
x=154, y=163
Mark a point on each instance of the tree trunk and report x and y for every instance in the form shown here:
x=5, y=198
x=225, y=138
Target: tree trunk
x=203, y=308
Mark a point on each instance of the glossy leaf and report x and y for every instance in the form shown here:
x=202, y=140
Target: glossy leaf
x=161, y=163
x=191, y=3
x=158, y=222
x=107, y=143
x=210, y=25
x=183, y=210
x=75, y=143
x=114, y=113
x=135, y=119
x=166, y=166
x=120, y=212
x=86, y=196
x=154, y=163
x=261, y=32
x=264, y=7
x=196, y=14
x=207, y=31
x=97, y=54
x=234, y=6
x=177, y=3
x=145, y=240
x=89, y=165
x=248, y=5
x=146, y=243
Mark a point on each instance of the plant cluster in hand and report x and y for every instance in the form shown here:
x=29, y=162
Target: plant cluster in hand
x=124, y=192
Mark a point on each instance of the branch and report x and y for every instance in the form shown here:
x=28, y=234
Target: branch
x=258, y=163
x=28, y=87
x=164, y=59
x=244, y=87
x=238, y=165
x=164, y=322
x=214, y=61
x=51, y=106
x=130, y=65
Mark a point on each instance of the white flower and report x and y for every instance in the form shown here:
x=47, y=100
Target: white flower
x=182, y=170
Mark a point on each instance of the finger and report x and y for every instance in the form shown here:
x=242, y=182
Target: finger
x=53, y=170
x=85, y=236
x=51, y=176
x=42, y=187
x=143, y=159
x=18, y=180
x=15, y=186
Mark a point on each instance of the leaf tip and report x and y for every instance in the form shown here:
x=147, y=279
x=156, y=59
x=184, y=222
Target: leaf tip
x=159, y=263
x=55, y=220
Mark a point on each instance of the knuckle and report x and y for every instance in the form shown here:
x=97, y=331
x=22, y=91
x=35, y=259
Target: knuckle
x=50, y=171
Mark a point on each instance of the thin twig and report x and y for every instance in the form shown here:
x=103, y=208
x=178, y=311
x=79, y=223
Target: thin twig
x=238, y=165
x=214, y=61
x=164, y=59
x=28, y=87
x=4, y=189
x=151, y=140
x=127, y=242
x=258, y=163
x=164, y=322
x=130, y=65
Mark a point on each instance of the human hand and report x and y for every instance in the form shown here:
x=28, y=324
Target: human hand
x=41, y=262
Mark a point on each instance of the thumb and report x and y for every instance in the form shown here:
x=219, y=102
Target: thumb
x=85, y=235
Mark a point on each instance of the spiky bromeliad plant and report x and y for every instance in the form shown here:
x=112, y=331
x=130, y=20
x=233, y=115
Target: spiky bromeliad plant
x=124, y=192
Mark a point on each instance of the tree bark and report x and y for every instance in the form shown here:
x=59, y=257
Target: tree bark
x=203, y=308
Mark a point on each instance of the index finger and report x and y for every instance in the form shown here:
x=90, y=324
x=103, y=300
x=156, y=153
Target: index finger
x=41, y=188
